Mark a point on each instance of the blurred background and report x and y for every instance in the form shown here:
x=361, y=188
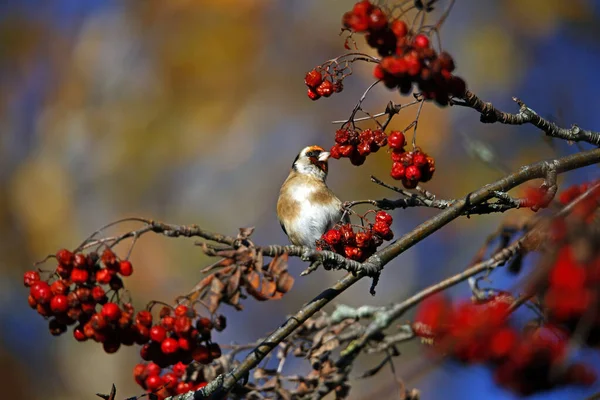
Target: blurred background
x=191, y=111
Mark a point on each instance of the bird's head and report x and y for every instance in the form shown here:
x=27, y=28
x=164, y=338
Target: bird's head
x=312, y=161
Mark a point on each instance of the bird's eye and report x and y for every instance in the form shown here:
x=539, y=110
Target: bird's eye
x=313, y=153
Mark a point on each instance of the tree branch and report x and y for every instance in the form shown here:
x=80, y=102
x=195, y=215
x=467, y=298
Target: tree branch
x=376, y=262
x=490, y=114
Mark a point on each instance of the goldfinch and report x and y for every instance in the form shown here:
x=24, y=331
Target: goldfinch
x=306, y=207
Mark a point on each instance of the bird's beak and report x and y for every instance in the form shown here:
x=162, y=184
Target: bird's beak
x=324, y=156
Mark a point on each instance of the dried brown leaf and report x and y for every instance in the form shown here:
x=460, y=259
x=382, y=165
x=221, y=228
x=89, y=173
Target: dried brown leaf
x=285, y=282
x=245, y=233
x=233, y=283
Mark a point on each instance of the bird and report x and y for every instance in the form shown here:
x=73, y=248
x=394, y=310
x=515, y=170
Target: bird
x=306, y=207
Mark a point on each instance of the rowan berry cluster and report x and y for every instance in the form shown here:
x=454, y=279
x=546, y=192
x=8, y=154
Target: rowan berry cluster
x=361, y=244
x=411, y=167
x=179, y=336
x=408, y=57
x=167, y=382
x=76, y=293
x=322, y=84
x=525, y=362
x=357, y=144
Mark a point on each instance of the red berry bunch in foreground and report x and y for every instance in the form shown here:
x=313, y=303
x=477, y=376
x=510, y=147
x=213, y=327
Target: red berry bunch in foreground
x=77, y=294
x=322, y=84
x=408, y=57
x=178, y=338
x=356, y=144
x=167, y=382
x=358, y=245
x=411, y=167
x=525, y=362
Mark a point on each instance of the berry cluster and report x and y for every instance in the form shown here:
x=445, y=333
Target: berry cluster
x=167, y=382
x=358, y=245
x=77, y=293
x=357, y=144
x=408, y=57
x=322, y=84
x=525, y=362
x=411, y=167
x=179, y=336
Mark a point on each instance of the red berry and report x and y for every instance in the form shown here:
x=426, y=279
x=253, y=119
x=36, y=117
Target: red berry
x=313, y=95
x=99, y=295
x=357, y=159
x=79, y=276
x=79, y=334
x=421, y=41
x=109, y=257
x=396, y=140
x=179, y=369
x=103, y=276
x=409, y=184
x=201, y=355
x=397, y=67
x=338, y=86
x=30, y=278
x=384, y=217
x=399, y=28
x=335, y=152
x=98, y=322
x=413, y=173
x=413, y=66
x=169, y=346
x=168, y=322
x=348, y=235
x=364, y=148
x=378, y=72
x=182, y=325
x=59, y=304
x=332, y=237
x=63, y=272
x=202, y=384
x=183, y=387
x=64, y=257
x=377, y=19
x=313, y=78
x=346, y=150
x=383, y=230
x=111, y=312
x=342, y=136
x=419, y=159
x=153, y=383
x=41, y=292
x=353, y=253
x=181, y=310
x=214, y=350
x=325, y=89
x=398, y=171
x=80, y=261
x=362, y=8
x=170, y=380
x=204, y=324
x=184, y=344
x=158, y=333
x=152, y=369
x=446, y=61
x=364, y=239
x=125, y=268
x=32, y=302
x=56, y=328
x=144, y=318
x=59, y=287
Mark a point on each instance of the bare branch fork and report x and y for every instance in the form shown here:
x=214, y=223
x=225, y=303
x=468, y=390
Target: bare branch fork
x=376, y=263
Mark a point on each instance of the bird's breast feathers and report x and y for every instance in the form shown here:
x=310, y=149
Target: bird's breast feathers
x=306, y=209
